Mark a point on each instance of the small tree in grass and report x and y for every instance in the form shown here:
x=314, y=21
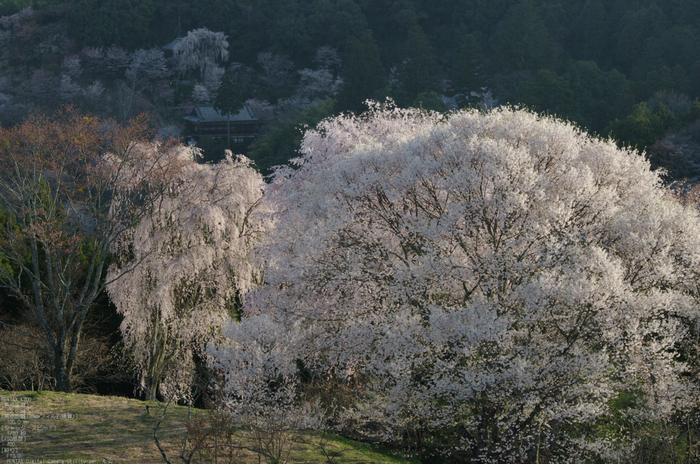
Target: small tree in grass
x=486, y=287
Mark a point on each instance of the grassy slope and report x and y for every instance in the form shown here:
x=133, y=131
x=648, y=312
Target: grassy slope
x=92, y=428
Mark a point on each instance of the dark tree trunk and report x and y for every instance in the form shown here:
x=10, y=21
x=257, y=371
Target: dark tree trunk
x=61, y=372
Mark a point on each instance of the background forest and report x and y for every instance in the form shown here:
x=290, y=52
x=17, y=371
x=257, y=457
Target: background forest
x=629, y=68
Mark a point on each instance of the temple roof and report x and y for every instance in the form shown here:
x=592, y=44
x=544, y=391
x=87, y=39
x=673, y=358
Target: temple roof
x=207, y=113
x=171, y=46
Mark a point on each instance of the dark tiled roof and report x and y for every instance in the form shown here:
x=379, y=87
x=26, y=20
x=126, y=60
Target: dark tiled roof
x=172, y=44
x=207, y=113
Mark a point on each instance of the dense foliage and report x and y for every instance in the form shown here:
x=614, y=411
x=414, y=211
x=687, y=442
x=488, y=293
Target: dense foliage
x=485, y=287
x=589, y=61
x=182, y=271
x=472, y=286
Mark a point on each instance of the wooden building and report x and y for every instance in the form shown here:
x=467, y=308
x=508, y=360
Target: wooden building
x=204, y=120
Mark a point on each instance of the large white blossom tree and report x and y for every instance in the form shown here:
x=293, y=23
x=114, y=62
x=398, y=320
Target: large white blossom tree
x=194, y=254
x=494, y=287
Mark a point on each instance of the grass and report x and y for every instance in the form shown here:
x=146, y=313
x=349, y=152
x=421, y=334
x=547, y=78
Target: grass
x=76, y=428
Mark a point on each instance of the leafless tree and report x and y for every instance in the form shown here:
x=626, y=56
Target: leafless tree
x=58, y=179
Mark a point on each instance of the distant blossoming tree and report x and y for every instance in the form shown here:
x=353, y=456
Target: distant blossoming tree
x=71, y=66
x=194, y=254
x=201, y=49
x=68, y=89
x=147, y=67
x=200, y=94
x=494, y=287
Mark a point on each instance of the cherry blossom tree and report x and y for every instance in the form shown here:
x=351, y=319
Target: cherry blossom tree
x=5, y=97
x=44, y=85
x=314, y=85
x=194, y=254
x=200, y=94
x=68, y=89
x=201, y=49
x=277, y=73
x=71, y=66
x=262, y=110
x=147, y=67
x=65, y=199
x=147, y=72
x=93, y=59
x=318, y=83
x=15, y=20
x=327, y=58
x=94, y=92
x=493, y=287
x=116, y=60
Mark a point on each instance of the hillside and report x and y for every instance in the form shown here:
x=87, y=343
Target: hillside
x=59, y=427
x=592, y=62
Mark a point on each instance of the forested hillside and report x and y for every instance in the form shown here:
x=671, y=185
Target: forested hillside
x=447, y=235
x=629, y=68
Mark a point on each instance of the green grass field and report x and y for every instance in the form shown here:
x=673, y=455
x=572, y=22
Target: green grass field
x=51, y=427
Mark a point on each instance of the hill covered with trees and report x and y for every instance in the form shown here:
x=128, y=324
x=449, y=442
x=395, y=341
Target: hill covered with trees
x=429, y=265
x=624, y=68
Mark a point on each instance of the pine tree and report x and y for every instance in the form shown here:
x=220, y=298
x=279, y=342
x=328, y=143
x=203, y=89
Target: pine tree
x=364, y=74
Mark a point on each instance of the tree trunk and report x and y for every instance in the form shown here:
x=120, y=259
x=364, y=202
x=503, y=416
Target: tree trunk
x=61, y=373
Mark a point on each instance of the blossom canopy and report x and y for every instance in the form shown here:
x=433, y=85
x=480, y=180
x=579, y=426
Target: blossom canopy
x=488, y=283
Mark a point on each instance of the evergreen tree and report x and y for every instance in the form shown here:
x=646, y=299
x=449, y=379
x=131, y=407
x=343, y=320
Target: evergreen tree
x=106, y=22
x=591, y=32
x=364, y=73
x=637, y=30
x=418, y=72
x=467, y=72
x=642, y=127
x=522, y=41
x=233, y=92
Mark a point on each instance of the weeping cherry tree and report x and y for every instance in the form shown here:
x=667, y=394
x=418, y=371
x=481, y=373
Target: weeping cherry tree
x=194, y=253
